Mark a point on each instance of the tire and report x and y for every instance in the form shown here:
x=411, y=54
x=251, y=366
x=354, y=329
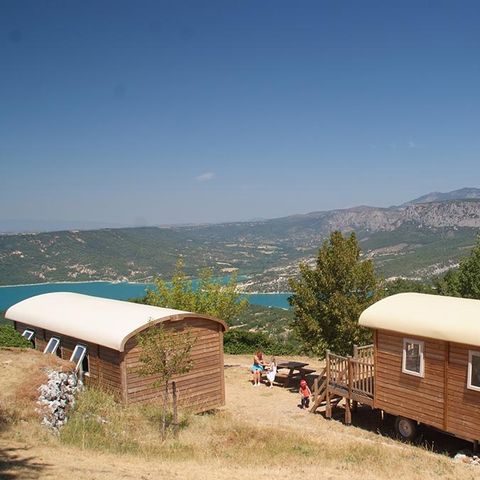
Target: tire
x=406, y=429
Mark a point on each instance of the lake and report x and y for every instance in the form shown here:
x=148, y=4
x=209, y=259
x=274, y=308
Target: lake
x=10, y=295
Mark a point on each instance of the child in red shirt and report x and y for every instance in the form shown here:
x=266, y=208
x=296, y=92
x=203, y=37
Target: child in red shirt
x=305, y=394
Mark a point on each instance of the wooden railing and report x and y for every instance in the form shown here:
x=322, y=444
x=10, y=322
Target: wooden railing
x=354, y=374
x=350, y=378
x=337, y=370
x=364, y=353
x=362, y=373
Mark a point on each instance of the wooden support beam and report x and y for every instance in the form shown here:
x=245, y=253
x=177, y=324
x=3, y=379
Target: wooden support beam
x=315, y=390
x=328, y=406
x=318, y=401
x=348, y=412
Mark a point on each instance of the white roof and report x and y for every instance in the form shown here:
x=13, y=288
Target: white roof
x=92, y=319
x=432, y=316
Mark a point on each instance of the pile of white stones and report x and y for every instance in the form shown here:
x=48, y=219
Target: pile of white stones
x=467, y=457
x=56, y=397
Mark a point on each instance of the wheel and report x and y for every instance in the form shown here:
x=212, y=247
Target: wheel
x=406, y=428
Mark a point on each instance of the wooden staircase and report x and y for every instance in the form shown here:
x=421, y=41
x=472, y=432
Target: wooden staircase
x=320, y=393
x=350, y=378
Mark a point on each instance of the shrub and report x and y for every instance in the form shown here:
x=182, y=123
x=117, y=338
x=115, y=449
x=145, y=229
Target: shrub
x=9, y=337
x=242, y=341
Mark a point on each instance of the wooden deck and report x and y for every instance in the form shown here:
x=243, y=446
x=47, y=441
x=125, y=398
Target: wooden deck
x=346, y=378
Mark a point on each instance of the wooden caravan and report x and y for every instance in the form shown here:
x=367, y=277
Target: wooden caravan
x=100, y=336
x=424, y=365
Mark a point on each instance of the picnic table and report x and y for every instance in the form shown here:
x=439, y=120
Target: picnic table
x=295, y=370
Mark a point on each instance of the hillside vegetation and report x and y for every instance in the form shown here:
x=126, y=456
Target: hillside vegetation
x=415, y=240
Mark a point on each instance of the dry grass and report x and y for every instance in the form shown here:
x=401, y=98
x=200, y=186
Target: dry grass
x=259, y=432
x=22, y=372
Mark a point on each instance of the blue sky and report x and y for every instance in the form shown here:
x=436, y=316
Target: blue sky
x=153, y=112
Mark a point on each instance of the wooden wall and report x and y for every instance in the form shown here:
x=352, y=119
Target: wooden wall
x=203, y=387
x=441, y=399
x=104, y=363
x=463, y=404
x=402, y=394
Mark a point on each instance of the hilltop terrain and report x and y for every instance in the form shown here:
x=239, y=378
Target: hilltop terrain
x=415, y=240
x=462, y=194
x=260, y=432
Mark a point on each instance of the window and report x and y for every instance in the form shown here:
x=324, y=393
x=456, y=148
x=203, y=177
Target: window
x=28, y=334
x=473, y=378
x=80, y=359
x=413, y=362
x=52, y=346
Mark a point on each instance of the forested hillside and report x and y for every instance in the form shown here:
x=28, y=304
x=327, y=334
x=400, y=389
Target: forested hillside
x=417, y=240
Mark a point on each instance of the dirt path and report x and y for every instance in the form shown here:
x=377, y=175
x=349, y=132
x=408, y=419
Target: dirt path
x=269, y=406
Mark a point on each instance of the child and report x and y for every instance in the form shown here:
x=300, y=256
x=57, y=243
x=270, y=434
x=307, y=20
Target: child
x=272, y=371
x=305, y=394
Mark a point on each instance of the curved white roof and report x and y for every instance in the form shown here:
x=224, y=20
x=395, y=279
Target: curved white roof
x=93, y=319
x=432, y=316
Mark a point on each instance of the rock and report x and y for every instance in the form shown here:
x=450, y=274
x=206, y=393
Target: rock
x=56, y=397
x=465, y=456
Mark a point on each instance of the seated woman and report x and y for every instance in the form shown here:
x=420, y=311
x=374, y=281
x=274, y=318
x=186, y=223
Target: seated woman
x=257, y=367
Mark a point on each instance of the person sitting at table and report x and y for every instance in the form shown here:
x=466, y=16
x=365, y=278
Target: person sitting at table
x=257, y=367
x=305, y=394
x=272, y=371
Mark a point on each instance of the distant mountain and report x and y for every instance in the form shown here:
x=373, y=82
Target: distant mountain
x=35, y=226
x=415, y=240
x=462, y=194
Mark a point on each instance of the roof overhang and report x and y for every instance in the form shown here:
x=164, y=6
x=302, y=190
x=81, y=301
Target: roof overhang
x=96, y=320
x=431, y=316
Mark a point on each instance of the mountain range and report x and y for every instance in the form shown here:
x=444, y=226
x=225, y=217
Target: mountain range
x=418, y=239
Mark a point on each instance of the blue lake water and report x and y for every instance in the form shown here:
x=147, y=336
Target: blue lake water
x=121, y=291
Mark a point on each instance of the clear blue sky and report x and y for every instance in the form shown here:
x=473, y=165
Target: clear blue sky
x=152, y=112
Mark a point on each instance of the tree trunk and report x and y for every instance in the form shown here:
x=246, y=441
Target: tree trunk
x=175, y=415
x=164, y=413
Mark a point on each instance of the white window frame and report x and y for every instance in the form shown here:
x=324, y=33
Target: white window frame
x=80, y=360
x=54, y=351
x=471, y=353
x=28, y=334
x=421, y=350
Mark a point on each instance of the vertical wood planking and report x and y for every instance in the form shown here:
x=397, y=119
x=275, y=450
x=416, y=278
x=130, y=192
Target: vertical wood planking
x=418, y=398
x=200, y=389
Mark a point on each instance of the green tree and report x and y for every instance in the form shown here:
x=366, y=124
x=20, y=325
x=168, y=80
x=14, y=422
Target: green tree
x=448, y=284
x=165, y=353
x=209, y=298
x=469, y=274
x=464, y=281
x=328, y=299
x=401, y=285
